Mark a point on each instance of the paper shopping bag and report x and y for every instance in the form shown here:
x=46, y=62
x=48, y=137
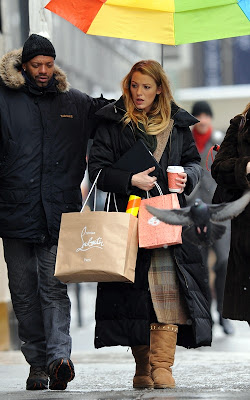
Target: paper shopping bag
x=154, y=233
x=97, y=246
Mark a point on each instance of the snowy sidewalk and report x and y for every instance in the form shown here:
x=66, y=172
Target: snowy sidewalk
x=103, y=375
x=219, y=372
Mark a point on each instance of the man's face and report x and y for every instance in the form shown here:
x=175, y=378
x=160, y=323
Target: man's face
x=40, y=69
x=204, y=124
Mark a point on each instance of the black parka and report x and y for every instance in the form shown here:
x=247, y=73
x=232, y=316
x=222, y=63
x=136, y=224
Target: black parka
x=123, y=311
x=229, y=171
x=43, y=141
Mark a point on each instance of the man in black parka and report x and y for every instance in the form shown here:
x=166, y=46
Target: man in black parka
x=44, y=131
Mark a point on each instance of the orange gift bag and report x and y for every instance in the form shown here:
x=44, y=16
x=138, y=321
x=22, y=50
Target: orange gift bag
x=154, y=233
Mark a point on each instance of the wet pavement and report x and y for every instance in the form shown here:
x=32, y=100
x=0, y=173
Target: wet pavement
x=219, y=372
x=198, y=375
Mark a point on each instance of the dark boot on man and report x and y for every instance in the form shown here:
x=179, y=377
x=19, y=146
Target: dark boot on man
x=61, y=371
x=37, y=379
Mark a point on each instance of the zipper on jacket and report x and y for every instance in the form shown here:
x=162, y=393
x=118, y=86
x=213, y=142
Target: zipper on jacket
x=119, y=108
x=129, y=124
x=132, y=129
x=180, y=270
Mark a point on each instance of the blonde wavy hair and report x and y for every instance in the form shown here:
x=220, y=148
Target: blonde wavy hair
x=244, y=117
x=159, y=116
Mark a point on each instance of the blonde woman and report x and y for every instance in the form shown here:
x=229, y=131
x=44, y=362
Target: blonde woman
x=168, y=302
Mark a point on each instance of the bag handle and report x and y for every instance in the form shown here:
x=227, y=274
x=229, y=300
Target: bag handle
x=216, y=147
x=159, y=190
x=108, y=203
x=95, y=194
x=91, y=190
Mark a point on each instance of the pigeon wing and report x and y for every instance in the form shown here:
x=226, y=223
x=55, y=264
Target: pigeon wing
x=172, y=217
x=217, y=230
x=225, y=211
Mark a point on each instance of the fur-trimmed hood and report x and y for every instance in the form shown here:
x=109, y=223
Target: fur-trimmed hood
x=10, y=72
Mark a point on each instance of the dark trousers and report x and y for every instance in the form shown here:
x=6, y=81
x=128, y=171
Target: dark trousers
x=40, y=301
x=221, y=249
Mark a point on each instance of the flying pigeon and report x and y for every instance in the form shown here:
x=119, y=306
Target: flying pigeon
x=202, y=220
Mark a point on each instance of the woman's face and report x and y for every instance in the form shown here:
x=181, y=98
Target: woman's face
x=143, y=90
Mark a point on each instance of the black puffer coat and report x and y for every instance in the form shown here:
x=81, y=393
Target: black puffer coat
x=229, y=171
x=123, y=310
x=43, y=140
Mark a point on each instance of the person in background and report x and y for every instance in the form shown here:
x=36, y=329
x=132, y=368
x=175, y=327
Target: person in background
x=205, y=137
x=231, y=171
x=44, y=132
x=131, y=314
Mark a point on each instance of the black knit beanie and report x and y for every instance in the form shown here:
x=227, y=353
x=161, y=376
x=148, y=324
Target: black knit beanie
x=37, y=45
x=201, y=107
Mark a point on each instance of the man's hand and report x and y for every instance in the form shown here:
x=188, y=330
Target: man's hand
x=143, y=181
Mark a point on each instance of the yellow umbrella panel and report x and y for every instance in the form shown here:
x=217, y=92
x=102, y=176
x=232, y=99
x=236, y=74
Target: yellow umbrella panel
x=160, y=21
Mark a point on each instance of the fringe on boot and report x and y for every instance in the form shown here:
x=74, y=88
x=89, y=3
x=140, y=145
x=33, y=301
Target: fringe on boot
x=162, y=351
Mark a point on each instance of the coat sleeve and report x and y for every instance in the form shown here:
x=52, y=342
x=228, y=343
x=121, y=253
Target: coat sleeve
x=102, y=156
x=229, y=168
x=190, y=160
x=95, y=105
x=89, y=106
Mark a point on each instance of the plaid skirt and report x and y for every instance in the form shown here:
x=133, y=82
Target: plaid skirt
x=167, y=298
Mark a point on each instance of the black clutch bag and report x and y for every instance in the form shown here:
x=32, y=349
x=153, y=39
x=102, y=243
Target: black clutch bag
x=137, y=159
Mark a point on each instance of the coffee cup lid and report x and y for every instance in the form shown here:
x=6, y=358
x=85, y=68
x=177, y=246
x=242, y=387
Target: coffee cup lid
x=175, y=168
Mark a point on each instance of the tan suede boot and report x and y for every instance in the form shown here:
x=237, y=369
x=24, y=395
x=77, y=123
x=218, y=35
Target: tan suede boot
x=142, y=378
x=162, y=350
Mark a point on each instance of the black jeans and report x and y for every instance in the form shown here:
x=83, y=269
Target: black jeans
x=221, y=249
x=40, y=301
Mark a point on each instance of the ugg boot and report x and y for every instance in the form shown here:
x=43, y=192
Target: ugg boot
x=162, y=350
x=142, y=378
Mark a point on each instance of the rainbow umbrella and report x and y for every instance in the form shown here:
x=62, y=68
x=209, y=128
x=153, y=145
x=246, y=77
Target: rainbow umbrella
x=169, y=22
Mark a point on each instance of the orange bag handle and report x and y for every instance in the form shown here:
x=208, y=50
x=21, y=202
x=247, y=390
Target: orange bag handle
x=216, y=148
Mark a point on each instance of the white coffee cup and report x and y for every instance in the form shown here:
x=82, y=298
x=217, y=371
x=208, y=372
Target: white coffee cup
x=172, y=172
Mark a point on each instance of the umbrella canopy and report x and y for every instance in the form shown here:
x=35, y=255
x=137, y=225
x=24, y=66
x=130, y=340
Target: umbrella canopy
x=160, y=21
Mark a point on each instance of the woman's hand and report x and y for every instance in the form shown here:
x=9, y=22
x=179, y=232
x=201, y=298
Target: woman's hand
x=181, y=180
x=143, y=181
x=248, y=168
